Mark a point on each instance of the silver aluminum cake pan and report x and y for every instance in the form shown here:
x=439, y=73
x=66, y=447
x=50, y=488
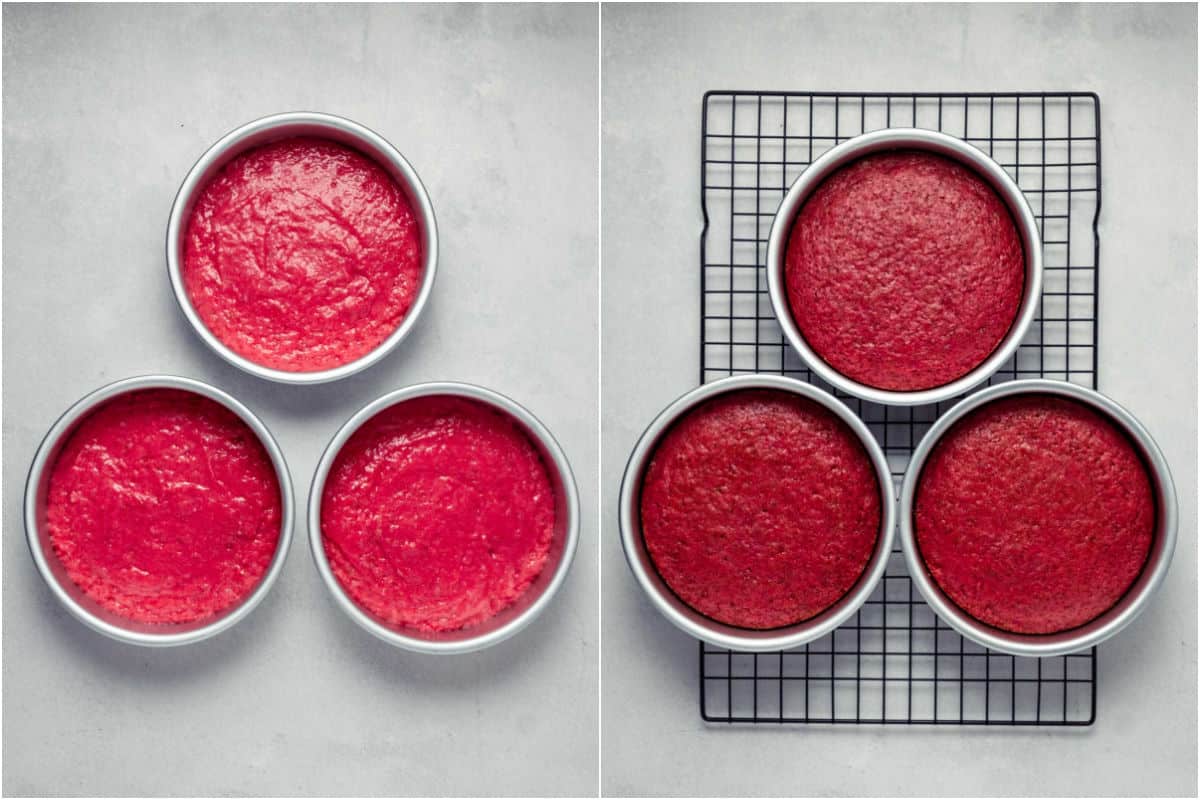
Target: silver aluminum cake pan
x=684, y=616
x=1108, y=623
x=539, y=594
x=285, y=126
x=71, y=596
x=905, y=139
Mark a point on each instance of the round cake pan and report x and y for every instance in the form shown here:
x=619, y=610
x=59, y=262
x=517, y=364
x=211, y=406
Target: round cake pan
x=905, y=139
x=286, y=126
x=539, y=594
x=52, y=571
x=684, y=616
x=1107, y=624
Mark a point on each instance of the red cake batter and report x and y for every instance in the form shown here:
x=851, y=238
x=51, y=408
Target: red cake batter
x=302, y=255
x=1034, y=514
x=904, y=270
x=437, y=514
x=760, y=508
x=164, y=507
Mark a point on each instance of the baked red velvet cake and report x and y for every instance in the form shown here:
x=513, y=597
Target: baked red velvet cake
x=904, y=270
x=1034, y=514
x=302, y=255
x=437, y=514
x=760, y=508
x=163, y=507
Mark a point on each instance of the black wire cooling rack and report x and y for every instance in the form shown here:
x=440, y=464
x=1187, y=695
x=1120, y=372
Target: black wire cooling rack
x=895, y=661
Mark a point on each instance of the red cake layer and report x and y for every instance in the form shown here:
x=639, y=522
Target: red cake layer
x=904, y=270
x=1034, y=514
x=164, y=507
x=302, y=255
x=760, y=508
x=437, y=514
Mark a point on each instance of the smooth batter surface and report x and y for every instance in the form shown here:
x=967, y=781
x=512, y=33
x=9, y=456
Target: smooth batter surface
x=437, y=514
x=760, y=508
x=164, y=507
x=904, y=270
x=302, y=255
x=1034, y=514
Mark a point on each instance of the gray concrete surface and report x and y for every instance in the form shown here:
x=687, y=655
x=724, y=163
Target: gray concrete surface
x=657, y=63
x=105, y=109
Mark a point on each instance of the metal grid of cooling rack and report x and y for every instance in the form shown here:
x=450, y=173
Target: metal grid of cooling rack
x=895, y=661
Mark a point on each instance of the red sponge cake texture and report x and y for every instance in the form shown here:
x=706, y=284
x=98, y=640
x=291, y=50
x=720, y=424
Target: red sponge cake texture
x=1034, y=514
x=904, y=270
x=760, y=508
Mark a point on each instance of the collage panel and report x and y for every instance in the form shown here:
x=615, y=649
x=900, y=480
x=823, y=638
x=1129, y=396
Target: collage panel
x=369, y=231
x=826, y=571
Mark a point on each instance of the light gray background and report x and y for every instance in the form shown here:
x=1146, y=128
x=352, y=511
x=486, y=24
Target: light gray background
x=657, y=63
x=105, y=109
